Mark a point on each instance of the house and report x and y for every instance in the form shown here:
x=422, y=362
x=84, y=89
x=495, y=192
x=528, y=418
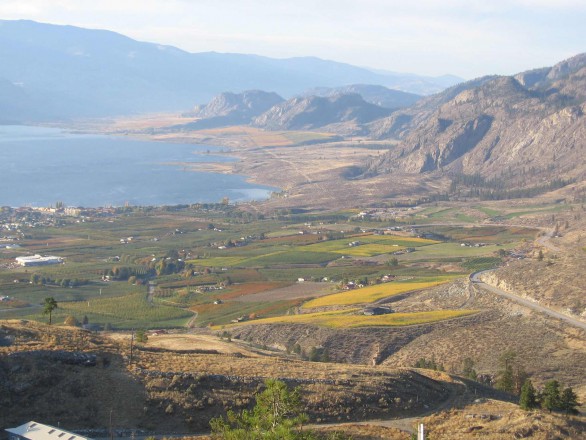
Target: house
x=38, y=431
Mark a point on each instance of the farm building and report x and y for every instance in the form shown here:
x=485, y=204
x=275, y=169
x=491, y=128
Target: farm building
x=370, y=311
x=38, y=431
x=37, y=260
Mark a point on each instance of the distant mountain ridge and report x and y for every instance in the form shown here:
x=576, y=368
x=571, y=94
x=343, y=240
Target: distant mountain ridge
x=66, y=71
x=377, y=95
x=233, y=108
x=334, y=110
x=307, y=113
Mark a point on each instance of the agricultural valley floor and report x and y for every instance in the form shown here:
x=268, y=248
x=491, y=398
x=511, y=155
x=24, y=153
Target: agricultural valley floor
x=230, y=295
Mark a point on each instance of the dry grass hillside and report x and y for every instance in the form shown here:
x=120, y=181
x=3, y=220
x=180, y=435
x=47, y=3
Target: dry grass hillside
x=178, y=382
x=553, y=274
x=495, y=420
x=45, y=375
x=545, y=347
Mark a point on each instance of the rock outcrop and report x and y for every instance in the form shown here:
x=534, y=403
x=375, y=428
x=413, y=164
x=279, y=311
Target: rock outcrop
x=522, y=130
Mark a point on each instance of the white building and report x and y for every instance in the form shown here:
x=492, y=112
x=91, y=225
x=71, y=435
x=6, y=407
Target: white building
x=37, y=260
x=38, y=431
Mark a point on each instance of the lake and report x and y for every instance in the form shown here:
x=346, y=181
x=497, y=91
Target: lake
x=41, y=166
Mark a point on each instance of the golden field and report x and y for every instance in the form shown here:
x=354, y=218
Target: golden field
x=350, y=318
x=372, y=293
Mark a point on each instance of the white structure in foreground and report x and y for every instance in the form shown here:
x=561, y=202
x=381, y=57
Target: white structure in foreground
x=38, y=431
x=37, y=260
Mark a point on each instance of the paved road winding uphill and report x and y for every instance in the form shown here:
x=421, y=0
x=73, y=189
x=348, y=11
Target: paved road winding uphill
x=475, y=278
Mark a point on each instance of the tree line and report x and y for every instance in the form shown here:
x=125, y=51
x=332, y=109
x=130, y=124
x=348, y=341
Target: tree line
x=512, y=378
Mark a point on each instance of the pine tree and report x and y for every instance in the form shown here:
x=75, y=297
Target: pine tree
x=569, y=401
x=277, y=415
x=528, y=399
x=48, y=306
x=468, y=370
x=506, y=380
x=550, y=399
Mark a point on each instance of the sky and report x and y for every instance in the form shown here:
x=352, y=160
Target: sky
x=468, y=38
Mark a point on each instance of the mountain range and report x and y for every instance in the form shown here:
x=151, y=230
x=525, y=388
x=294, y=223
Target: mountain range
x=307, y=113
x=316, y=108
x=52, y=72
x=520, y=131
x=377, y=95
x=525, y=129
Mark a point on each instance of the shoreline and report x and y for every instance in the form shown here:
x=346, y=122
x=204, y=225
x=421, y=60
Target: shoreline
x=243, y=188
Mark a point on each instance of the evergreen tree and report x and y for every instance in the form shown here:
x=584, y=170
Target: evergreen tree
x=511, y=376
x=550, y=398
x=506, y=380
x=528, y=399
x=276, y=415
x=48, y=306
x=569, y=401
x=468, y=370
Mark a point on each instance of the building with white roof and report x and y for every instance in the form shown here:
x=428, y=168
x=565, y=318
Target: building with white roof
x=37, y=260
x=38, y=431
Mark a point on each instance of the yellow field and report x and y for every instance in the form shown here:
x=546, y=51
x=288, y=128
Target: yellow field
x=341, y=247
x=372, y=293
x=349, y=318
x=217, y=261
x=369, y=250
x=371, y=245
x=390, y=239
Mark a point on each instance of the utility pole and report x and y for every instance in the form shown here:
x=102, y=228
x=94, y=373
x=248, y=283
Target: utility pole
x=131, y=344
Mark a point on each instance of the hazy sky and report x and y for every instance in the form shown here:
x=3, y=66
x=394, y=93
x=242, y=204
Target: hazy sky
x=468, y=38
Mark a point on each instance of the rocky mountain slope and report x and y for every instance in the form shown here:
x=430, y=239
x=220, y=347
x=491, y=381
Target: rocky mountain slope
x=315, y=112
x=377, y=95
x=524, y=130
x=70, y=72
x=233, y=108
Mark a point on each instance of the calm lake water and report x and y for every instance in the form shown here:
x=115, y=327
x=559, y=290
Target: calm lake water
x=41, y=166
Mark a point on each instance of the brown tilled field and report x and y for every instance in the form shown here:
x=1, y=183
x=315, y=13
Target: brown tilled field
x=302, y=290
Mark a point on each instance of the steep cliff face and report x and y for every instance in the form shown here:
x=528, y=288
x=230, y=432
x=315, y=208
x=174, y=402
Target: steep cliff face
x=521, y=129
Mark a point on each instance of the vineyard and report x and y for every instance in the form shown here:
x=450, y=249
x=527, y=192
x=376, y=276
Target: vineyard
x=126, y=311
x=225, y=265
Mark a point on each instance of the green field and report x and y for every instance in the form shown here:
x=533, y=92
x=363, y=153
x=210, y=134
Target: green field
x=262, y=250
